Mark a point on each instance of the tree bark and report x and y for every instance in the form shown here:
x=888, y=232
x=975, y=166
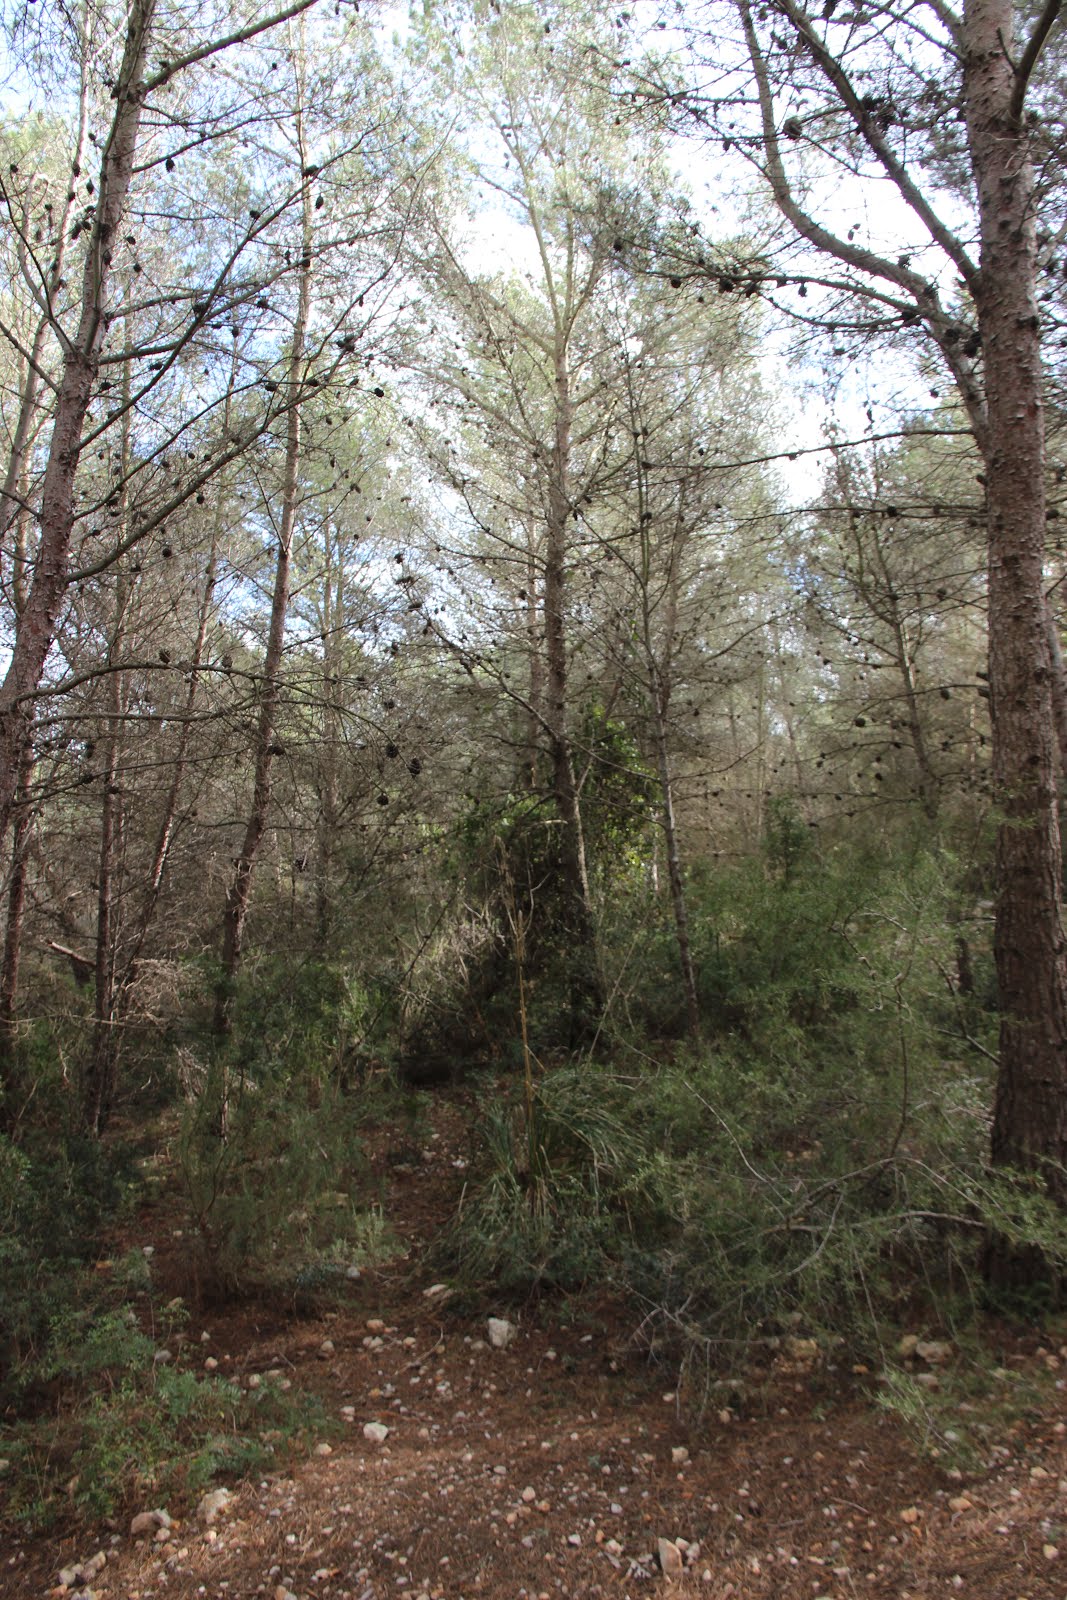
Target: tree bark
x=1030, y=1114
x=36, y=626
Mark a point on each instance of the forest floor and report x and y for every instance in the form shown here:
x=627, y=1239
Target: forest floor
x=555, y=1466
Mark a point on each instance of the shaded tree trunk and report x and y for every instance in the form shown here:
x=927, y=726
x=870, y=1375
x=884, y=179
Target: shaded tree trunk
x=1030, y=1114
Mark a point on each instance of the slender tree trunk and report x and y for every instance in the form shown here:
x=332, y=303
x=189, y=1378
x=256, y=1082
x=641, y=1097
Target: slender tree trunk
x=10, y=1087
x=329, y=808
x=674, y=865
x=36, y=626
x=100, y=1078
x=536, y=660
x=1030, y=1114
x=240, y=891
x=577, y=925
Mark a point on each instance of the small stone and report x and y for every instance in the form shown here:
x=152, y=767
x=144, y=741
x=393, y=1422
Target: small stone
x=163, y=1358
x=253, y=1380
x=908, y=1346
x=501, y=1332
x=436, y=1291
x=670, y=1558
x=149, y=1521
x=375, y=1432
x=928, y=1380
x=679, y=1455
x=69, y=1576
x=282, y=1593
x=324, y=1449
x=529, y=1495
x=211, y=1365
x=933, y=1351
x=910, y=1515
x=326, y=1348
x=212, y=1505
x=960, y=1502
x=1038, y=1474
x=1050, y=1551
x=375, y=1325
x=574, y=1539
x=802, y=1349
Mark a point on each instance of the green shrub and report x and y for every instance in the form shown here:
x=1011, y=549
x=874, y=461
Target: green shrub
x=126, y=1428
x=273, y=1198
x=554, y=1180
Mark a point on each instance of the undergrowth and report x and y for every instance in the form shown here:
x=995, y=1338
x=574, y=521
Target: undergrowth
x=818, y=1162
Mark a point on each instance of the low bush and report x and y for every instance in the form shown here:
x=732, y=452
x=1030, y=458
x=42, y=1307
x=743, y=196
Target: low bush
x=820, y=1162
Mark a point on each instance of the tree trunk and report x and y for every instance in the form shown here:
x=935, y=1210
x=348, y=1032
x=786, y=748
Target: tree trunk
x=10, y=1087
x=101, y=1072
x=36, y=625
x=240, y=891
x=1030, y=1115
x=674, y=866
x=576, y=924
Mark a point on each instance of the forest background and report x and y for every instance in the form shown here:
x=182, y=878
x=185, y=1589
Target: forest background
x=424, y=659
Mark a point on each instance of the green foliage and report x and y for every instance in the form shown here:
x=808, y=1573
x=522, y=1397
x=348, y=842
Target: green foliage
x=820, y=1163
x=617, y=797
x=55, y=1197
x=270, y=1166
x=127, y=1427
x=552, y=1186
x=974, y=1405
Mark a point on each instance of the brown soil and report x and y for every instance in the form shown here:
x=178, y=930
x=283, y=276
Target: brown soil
x=554, y=1467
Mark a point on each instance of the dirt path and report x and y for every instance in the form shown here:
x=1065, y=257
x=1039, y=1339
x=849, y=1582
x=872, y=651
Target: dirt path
x=555, y=1466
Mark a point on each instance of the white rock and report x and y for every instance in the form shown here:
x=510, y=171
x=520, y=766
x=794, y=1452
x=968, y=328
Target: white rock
x=679, y=1455
x=375, y=1432
x=501, y=1332
x=212, y=1505
x=324, y=1449
x=149, y=1521
x=211, y=1365
x=69, y=1576
x=326, y=1348
x=436, y=1291
x=162, y=1358
x=933, y=1351
x=670, y=1558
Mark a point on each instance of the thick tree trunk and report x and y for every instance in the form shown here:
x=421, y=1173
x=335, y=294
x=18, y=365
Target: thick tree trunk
x=1030, y=1116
